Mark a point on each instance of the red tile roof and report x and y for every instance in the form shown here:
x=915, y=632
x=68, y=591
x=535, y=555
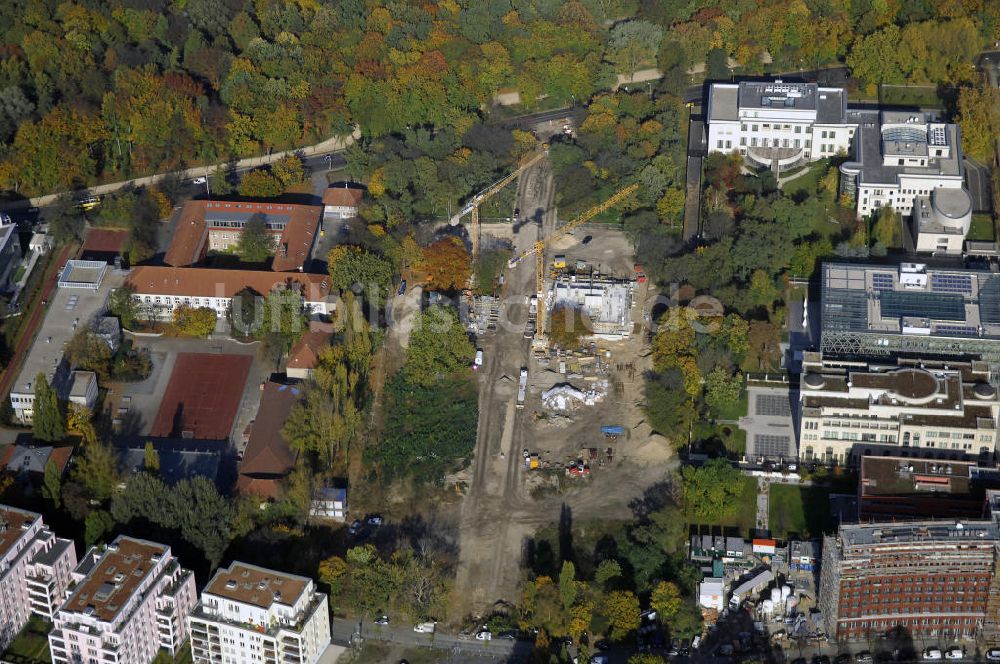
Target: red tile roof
x=306, y=350
x=268, y=458
x=105, y=240
x=206, y=282
x=343, y=197
x=191, y=236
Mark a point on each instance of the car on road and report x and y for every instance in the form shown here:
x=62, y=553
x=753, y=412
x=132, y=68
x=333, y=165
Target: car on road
x=993, y=655
x=603, y=644
x=478, y=362
x=382, y=620
x=355, y=527
x=955, y=652
x=425, y=627
x=374, y=520
x=402, y=287
x=864, y=657
x=932, y=653
x=844, y=658
x=484, y=635
x=201, y=180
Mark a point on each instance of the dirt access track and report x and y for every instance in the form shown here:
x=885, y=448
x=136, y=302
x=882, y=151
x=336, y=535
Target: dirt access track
x=499, y=513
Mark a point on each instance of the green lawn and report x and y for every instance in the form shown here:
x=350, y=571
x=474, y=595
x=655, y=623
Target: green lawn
x=733, y=412
x=904, y=95
x=804, y=511
x=981, y=229
x=807, y=182
x=32, y=644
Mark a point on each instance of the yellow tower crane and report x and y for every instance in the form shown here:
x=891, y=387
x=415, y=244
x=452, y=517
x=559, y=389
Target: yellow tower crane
x=538, y=250
x=483, y=196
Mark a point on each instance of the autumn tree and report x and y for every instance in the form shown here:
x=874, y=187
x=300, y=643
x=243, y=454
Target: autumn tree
x=122, y=303
x=666, y=600
x=446, y=264
x=260, y=183
x=194, y=321
x=621, y=608
x=711, y=491
x=150, y=458
x=979, y=117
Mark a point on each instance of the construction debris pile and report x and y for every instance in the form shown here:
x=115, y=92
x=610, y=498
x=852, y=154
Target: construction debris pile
x=563, y=396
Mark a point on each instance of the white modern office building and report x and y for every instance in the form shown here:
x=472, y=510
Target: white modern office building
x=252, y=614
x=778, y=125
x=898, y=156
x=35, y=570
x=940, y=221
x=130, y=601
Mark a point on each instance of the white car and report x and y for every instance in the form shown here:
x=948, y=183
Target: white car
x=484, y=635
x=932, y=653
x=993, y=655
x=382, y=620
x=424, y=627
x=478, y=362
x=201, y=180
x=954, y=653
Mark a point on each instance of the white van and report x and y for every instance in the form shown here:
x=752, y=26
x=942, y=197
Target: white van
x=478, y=362
x=424, y=627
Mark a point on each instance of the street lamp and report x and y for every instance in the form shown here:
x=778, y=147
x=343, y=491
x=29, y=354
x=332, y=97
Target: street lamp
x=329, y=161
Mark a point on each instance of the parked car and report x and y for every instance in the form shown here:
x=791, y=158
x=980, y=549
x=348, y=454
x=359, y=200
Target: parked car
x=200, y=180
x=382, y=620
x=478, y=362
x=993, y=655
x=355, y=527
x=932, y=653
x=402, y=287
x=424, y=627
x=484, y=635
x=955, y=652
x=843, y=658
x=864, y=657
x=374, y=520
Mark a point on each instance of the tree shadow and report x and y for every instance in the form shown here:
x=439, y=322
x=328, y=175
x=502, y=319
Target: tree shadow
x=566, y=534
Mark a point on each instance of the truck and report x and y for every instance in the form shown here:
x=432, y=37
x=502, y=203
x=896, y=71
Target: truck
x=522, y=387
x=612, y=430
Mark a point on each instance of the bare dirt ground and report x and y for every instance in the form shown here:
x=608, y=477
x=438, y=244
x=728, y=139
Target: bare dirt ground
x=499, y=513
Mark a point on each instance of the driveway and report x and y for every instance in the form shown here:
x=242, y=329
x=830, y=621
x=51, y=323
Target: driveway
x=978, y=180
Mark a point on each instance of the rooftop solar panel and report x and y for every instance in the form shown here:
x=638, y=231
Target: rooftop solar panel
x=936, y=306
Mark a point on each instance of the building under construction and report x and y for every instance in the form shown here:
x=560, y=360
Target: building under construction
x=933, y=579
x=607, y=302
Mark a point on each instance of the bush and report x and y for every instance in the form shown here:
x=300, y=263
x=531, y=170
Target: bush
x=194, y=322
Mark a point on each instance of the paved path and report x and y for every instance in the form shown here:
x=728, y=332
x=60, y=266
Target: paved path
x=334, y=144
x=344, y=631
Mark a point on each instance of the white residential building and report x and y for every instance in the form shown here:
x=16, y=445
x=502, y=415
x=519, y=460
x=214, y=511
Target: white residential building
x=924, y=409
x=778, y=125
x=252, y=614
x=35, y=570
x=898, y=156
x=127, y=606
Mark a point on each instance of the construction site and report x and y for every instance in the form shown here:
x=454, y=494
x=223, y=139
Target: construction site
x=559, y=428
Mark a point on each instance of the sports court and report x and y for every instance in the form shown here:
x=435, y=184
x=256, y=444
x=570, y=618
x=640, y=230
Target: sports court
x=202, y=396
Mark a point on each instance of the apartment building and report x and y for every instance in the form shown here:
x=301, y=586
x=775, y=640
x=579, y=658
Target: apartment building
x=923, y=409
x=778, y=125
x=252, y=614
x=897, y=156
x=935, y=579
x=35, y=570
x=883, y=312
x=131, y=600
x=907, y=488
x=162, y=289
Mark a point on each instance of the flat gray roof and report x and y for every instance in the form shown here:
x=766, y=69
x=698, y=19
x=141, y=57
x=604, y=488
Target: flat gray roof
x=69, y=308
x=722, y=102
x=778, y=94
x=867, y=149
x=921, y=532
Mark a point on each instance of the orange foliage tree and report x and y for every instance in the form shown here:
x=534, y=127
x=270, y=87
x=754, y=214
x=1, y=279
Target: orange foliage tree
x=447, y=264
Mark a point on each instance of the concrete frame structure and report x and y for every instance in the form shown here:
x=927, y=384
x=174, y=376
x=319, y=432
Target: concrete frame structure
x=778, y=125
x=916, y=408
x=128, y=604
x=607, y=302
x=35, y=570
x=251, y=614
x=911, y=310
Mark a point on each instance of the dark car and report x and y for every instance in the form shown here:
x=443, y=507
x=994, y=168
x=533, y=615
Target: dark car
x=844, y=658
x=374, y=520
x=587, y=239
x=355, y=527
x=603, y=644
x=820, y=659
x=402, y=287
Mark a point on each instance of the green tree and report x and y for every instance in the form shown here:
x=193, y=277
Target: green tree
x=194, y=321
x=219, y=183
x=887, y=228
x=567, y=585
x=96, y=470
x=284, y=315
x=89, y=352
x=979, y=118
x=607, y=571
x=633, y=43
x=351, y=265
x=65, y=220
x=255, y=245
x=621, y=608
x=711, y=491
x=122, y=303
x=645, y=658
x=47, y=423
x=439, y=346
x=96, y=525
x=150, y=459
x=666, y=600
x=722, y=390
x=52, y=484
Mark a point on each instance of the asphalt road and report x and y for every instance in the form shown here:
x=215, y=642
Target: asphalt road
x=978, y=179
